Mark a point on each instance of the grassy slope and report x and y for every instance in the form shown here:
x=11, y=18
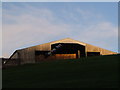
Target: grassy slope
x=93, y=72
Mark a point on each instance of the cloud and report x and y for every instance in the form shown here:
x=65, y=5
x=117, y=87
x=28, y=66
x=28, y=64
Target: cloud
x=40, y=25
x=103, y=34
x=28, y=30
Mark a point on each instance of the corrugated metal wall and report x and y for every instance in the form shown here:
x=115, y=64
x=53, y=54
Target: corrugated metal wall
x=27, y=55
x=91, y=48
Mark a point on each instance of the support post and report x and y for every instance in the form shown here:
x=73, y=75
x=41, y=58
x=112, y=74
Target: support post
x=78, y=53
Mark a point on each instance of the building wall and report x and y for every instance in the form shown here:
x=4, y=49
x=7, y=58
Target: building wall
x=43, y=47
x=27, y=55
x=91, y=48
x=68, y=40
x=65, y=56
x=40, y=58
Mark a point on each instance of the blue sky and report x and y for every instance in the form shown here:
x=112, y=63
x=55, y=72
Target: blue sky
x=29, y=24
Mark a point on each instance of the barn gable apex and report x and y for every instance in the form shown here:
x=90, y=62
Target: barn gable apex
x=68, y=40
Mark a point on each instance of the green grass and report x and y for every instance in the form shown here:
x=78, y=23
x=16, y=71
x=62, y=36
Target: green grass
x=92, y=72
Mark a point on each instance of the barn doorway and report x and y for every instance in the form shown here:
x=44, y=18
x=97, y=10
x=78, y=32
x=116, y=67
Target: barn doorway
x=69, y=50
x=93, y=53
x=39, y=56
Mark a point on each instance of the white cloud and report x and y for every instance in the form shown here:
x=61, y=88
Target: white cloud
x=103, y=34
x=38, y=26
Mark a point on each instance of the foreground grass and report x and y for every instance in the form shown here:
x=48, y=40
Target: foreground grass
x=92, y=72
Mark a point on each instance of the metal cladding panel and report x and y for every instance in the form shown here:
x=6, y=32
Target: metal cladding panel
x=47, y=46
x=91, y=48
x=27, y=55
x=43, y=47
x=40, y=58
x=65, y=56
x=68, y=40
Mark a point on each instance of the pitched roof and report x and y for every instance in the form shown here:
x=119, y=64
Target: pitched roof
x=67, y=40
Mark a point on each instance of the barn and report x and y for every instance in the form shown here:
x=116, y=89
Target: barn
x=61, y=49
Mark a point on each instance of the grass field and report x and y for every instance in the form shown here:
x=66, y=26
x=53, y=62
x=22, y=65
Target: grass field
x=91, y=72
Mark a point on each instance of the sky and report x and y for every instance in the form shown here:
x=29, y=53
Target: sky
x=26, y=24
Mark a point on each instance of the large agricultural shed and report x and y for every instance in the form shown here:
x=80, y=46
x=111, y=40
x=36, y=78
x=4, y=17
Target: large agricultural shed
x=61, y=49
